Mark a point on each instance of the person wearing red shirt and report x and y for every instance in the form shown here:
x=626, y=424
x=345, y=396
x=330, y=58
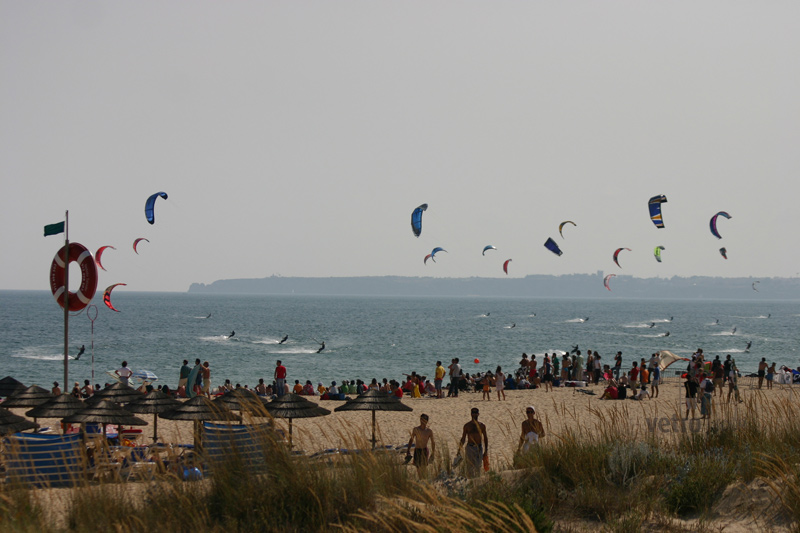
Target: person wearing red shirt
x=280, y=379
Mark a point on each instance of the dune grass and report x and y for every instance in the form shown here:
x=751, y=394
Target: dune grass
x=614, y=472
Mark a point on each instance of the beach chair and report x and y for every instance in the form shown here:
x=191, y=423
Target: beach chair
x=44, y=460
x=248, y=444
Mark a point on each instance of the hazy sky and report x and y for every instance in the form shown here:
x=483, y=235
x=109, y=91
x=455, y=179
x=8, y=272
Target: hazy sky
x=295, y=138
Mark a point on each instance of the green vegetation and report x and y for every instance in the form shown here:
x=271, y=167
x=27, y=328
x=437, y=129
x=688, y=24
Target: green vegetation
x=614, y=474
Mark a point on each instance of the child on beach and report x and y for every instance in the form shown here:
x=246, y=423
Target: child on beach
x=487, y=386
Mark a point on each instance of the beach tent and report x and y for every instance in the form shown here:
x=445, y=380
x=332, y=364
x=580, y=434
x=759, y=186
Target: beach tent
x=44, y=460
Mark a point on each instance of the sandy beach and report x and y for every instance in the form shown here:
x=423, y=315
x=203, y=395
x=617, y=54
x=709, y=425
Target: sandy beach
x=562, y=409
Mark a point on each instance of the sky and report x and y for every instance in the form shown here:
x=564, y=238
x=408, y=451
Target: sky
x=294, y=138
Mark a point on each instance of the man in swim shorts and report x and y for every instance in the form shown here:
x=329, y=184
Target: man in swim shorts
x=474, y=434
x=421, y=434
x=532, y=430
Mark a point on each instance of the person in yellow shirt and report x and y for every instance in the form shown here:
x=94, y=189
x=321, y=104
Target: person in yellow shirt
x=438, y=378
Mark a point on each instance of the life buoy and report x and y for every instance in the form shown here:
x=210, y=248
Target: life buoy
x=82, y=256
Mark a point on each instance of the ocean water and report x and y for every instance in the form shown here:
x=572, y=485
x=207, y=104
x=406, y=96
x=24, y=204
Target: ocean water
x=372, y=337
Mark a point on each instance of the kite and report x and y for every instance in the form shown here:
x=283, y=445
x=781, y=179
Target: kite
x=107, y=296
x=657, y=252
x=724, y=252
x=435, y=250
x=425, y=261
x=99, y=254
x=607, y=280
x=655, y=209
x=713, y=223
x=505, y=266
x=416, y=219
x=488, y=247
x=667, y=358
x=551, y=245
x=136, y=243
x=560, y=226
x=149, y=206
x=616, y=255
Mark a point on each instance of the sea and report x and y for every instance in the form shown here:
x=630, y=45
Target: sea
x=371, y=337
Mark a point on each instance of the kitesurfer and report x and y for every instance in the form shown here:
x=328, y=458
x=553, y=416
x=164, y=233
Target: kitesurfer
x=321, y=346
x=80, y=352
x=734, y=330
x=285, y=337
x=666, y=334
x=749, y=344
x=574, y=349
x=209, y=315
x=652, y=324
x=232, y=334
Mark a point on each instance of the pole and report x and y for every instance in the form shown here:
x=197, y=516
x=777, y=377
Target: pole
x=66, y=300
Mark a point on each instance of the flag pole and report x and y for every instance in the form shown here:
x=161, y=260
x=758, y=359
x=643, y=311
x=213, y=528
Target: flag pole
x=66, y=301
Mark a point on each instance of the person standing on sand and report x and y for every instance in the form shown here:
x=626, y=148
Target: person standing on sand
x=500, y=383
x=421, y=434
x=455, y=377
x=124, y=373
x=184, y=375
x=280, y=378
x=762, y=371
x=205, y=372
x=439, y=378
x=617, y=364
x=532, y=430
x=474, y=434
x=770, y=375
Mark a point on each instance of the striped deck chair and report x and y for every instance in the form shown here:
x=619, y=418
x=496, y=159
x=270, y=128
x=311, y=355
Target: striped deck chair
x=224, y=443
x=44, y=460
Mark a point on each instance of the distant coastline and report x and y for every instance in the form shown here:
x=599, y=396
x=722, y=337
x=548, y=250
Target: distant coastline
x=540, y=286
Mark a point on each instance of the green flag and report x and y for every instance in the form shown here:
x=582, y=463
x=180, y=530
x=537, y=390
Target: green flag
x=54, y=229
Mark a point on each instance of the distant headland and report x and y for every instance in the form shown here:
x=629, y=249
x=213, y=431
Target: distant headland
x=539, y=286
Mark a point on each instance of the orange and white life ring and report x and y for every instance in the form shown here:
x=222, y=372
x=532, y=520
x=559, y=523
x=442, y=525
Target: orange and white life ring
x=82, y=256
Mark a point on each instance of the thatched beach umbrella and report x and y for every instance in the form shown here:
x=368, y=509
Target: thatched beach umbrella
x=154, y=402
x=374, y=400
x=8, y=386
x=200, y=409
x=59, y=406
x=104, y=412
x=117, y=393
x=294, y=406
x=11, y=423
x=242, y=400
x=28, y=397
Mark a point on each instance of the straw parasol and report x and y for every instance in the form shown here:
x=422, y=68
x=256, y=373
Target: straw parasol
x=374, y=400
x=28, y=397
x=294, y=406
x=104, y=412
x=200, y=409
x=242, y=400
x=154, y=402
x=11, y=423
x=118, y=393
x=8, y=386
x=59, y=406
